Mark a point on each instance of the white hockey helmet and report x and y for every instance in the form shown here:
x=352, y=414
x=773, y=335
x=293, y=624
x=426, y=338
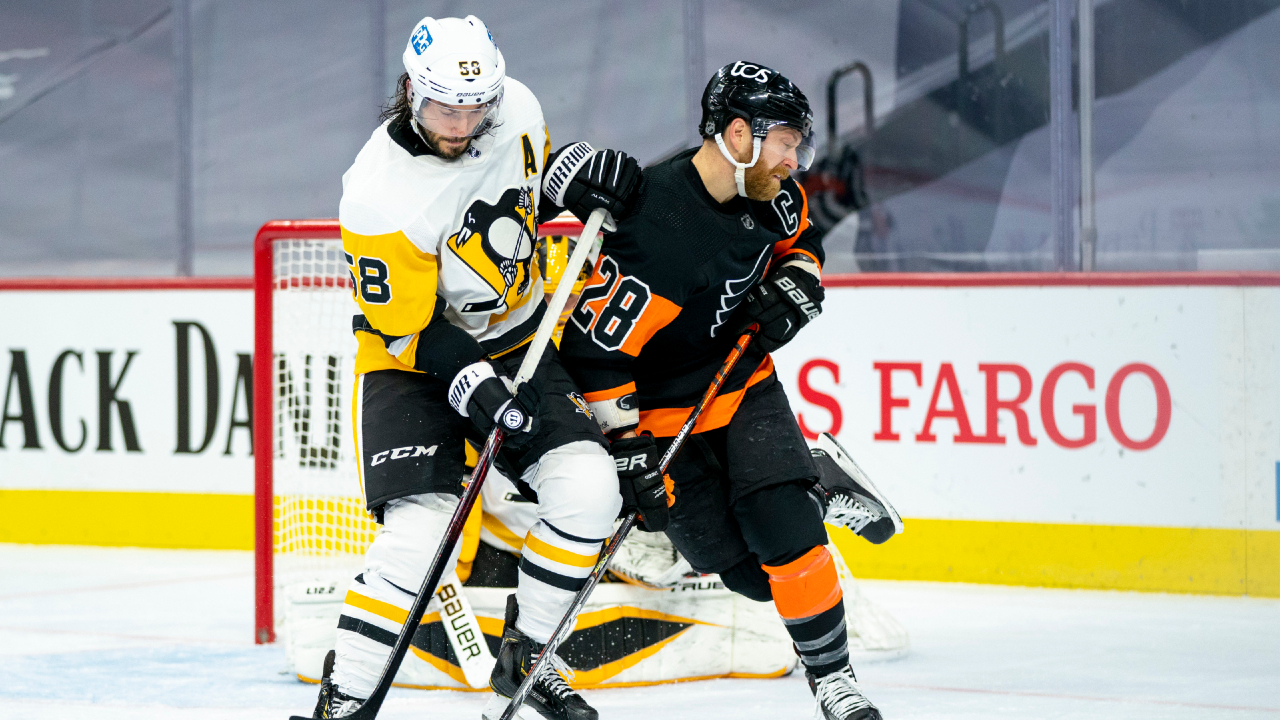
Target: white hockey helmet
x=456, y=72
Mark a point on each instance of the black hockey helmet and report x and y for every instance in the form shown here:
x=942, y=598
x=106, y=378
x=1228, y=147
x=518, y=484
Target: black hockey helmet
x=763, y=97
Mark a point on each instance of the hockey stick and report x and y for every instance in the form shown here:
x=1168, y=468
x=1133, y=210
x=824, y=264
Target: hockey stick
x=463, y=631
x=565, y=628
x=369, y=709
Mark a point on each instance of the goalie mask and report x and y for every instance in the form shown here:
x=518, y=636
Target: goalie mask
x=765, y=99
x=456, y=73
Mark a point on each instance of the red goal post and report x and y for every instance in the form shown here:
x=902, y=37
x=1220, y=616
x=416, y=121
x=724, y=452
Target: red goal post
x=309, y=519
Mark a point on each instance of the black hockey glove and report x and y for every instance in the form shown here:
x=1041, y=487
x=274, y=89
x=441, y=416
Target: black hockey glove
x=785, y=302
x=484, y=396
x=642, y=486
x=580, y=179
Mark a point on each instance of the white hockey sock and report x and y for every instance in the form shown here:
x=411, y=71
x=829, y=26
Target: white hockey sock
x=378, y=602
x=578, y=501
x=552, y=570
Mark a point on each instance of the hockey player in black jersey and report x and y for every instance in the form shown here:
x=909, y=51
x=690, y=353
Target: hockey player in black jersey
x=720, y=239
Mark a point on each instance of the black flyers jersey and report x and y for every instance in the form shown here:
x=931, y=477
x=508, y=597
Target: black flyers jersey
x=656, y=317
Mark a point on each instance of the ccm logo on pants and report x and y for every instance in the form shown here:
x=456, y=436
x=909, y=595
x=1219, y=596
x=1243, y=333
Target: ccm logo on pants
x=401, y=453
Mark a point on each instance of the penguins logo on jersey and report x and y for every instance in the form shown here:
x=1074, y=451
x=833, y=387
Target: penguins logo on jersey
x=580, y=403
x=496, y=243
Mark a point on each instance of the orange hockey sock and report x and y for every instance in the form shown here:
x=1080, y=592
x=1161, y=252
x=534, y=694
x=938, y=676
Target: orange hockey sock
x=807, y=594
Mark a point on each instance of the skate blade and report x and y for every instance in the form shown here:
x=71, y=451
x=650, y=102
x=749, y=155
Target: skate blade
x=498, y=704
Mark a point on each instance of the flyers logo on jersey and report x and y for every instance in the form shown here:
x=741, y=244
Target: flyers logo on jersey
x=496, y=242
x=736, y=289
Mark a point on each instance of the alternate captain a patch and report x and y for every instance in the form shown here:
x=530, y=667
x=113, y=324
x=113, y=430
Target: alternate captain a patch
x=496, y=243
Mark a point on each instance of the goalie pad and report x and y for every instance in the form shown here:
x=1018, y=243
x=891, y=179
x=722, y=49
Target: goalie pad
x=852, y=500
x=625, y=634
x=650, y=560
x=698, y=627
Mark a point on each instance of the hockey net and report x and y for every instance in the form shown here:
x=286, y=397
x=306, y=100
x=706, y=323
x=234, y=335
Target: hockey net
x=310, y=520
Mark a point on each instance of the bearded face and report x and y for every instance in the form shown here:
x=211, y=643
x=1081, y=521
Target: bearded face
x=449, y=148
x=763, y=182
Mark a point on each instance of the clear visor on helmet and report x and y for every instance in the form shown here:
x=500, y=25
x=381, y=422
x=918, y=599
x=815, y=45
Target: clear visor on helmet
x=455, y=121
x=785, y=139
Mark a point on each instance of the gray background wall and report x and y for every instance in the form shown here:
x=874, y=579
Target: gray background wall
x=286, y=92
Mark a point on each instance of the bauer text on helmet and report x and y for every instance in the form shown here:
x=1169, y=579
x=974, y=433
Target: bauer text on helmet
x=455, y=73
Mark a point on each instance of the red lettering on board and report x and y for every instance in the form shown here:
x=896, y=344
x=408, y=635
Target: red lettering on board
x=887, y=401
x=1164, y=406
x=1088, y=412
x=947, y=377
x=821, y=399
x=995, y=404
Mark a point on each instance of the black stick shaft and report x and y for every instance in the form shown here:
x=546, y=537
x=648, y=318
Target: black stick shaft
x=371, y=706
x=565, y=628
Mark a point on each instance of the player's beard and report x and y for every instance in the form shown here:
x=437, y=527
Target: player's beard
x=449, y=148
x=761, y=183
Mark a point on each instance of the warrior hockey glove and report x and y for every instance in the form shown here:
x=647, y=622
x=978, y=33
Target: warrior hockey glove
x=643, y=488
x=580, y=179
x=479, y=393
x=785, y=302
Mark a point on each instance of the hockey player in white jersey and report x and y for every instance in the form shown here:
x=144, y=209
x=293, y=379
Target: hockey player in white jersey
x=439, y=216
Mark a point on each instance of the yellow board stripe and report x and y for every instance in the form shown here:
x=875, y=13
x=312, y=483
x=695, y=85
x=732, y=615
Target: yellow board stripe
x=1158, y=559
x=560, y=555
x=127, y=519
x=377, y=607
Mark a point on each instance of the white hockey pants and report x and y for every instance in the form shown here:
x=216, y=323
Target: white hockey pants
x=577, y=489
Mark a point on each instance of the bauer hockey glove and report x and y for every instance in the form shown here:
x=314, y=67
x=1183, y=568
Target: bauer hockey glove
x=481, y=394
x=579, y=178
x=643, y=488
x=786, y=301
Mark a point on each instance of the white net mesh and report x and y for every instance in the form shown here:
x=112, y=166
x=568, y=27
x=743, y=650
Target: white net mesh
x=321, y=528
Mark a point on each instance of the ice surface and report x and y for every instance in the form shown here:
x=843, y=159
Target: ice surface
x=98, y=634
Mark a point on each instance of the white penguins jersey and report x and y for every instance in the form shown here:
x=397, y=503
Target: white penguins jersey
x=419, y=230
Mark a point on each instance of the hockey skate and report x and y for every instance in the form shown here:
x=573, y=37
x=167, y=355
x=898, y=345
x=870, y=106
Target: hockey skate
x=840, y=698
x=852, y=500
x=332, y=703
x=551, y=696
